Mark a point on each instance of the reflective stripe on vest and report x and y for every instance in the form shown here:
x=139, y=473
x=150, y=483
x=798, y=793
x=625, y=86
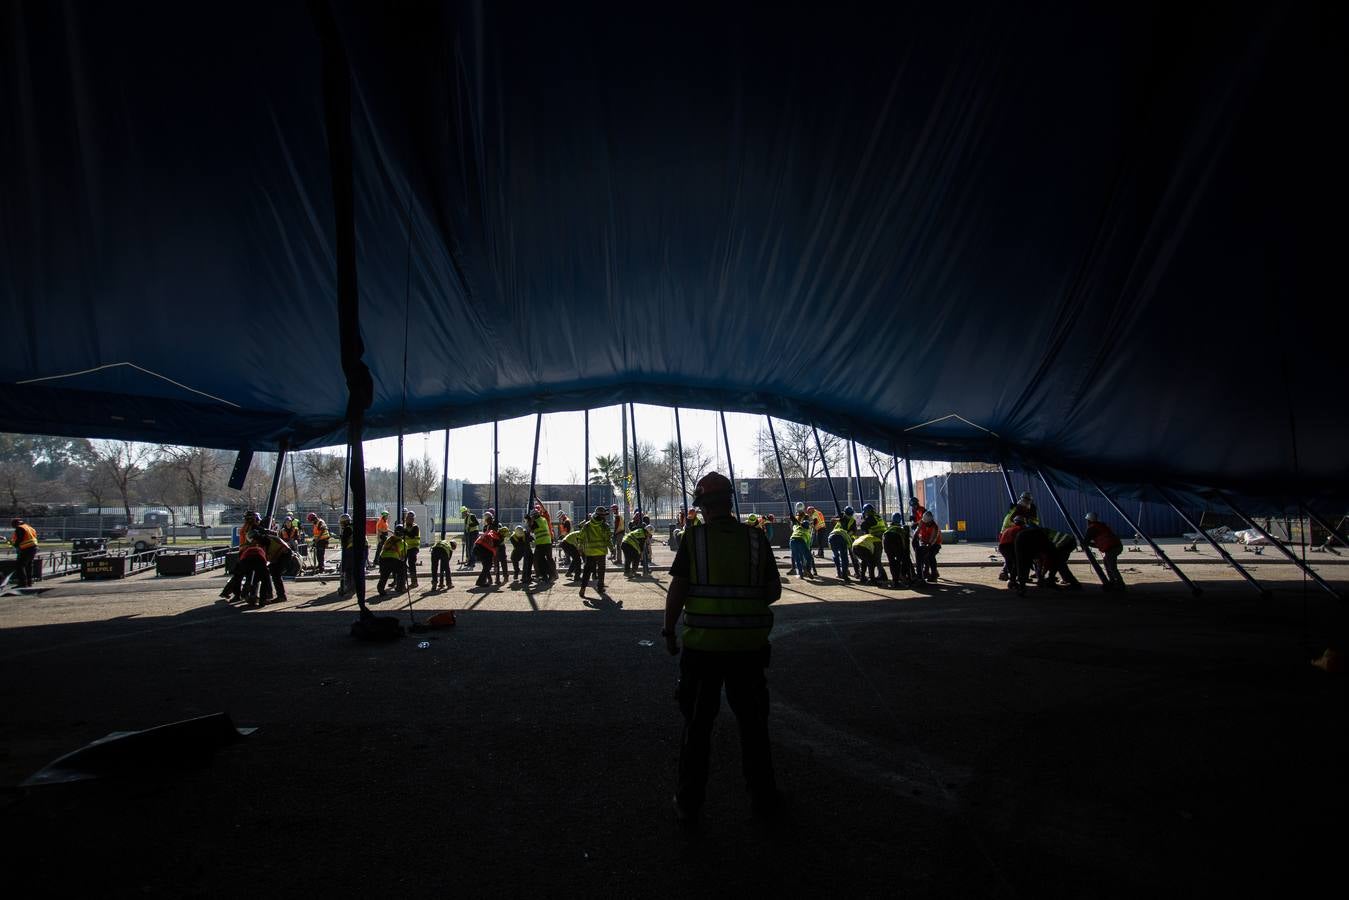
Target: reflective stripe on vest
x=412, y=539
x=725, y=610
x=543, y=534
x=27, y=536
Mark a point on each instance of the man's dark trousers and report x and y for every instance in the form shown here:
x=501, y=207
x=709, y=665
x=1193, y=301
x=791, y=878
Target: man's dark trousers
x=701, y=676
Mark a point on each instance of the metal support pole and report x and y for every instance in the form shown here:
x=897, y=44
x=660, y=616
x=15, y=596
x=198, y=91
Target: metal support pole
x=1170, y=501
x=1007, y=480
x=735, y=488
x=400, y=477
x=782, y=473
x=496, y=461
x=683, y=479
x=346, y=482
x=1307, y=570
x=908, y=471
x=636, y=473
x=899, y=486
x=1194, y=588
x=857, y=473
x=838, y=509
x=585, y=470
x=445, y=488
x=534, y=463
x=276, y=483
x=1324, y=526
x=1077, y=532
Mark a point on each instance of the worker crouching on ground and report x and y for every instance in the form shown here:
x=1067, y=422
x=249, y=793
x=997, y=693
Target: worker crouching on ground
x=594, y=544
x=1049, y=549
x=519, y=542
x=571, y=548
x=723, y=580
x=250, y=573
x=927, y=544
x=1007, y=547
x=1024, y=508
x=1103, y=538
x=895, y=541
x=280, y=558
x=866, y=549
x=391, y=563
x=442, y=553
x=24, y=541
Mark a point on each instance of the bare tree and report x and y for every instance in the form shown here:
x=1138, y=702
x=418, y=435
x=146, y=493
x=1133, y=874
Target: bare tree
x=201, y=472
x=16, y=481
x=881, y=466
x=514, y=487
x=124, y=463
x=164, y=485
x=800, y=456
x=696, y=465
x=420, y=478
x=325, y=477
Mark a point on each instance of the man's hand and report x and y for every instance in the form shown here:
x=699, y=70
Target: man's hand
x=671, y=643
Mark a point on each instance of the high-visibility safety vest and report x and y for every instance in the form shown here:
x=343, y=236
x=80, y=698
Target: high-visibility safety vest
x=1061, y=540
x=393, y=548
x=348, y=536
x=321, y=534
x=594, y=538
x=877, y=527
x=819, y=519
x=412, y=536
x=725, y=610
x=848, y=522
x=543, y=532
x=572, y=537
x=25, y=537
x=801, y=532
x=443, y=545
x=868, y=542
x=635, y=538
x=896, y=538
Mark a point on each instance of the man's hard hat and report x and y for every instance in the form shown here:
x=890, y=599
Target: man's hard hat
x=1025, y=497
x=800, y=506
x=1018, y=520
x=868, y=508
x=344, y=519
x=897, y=519
x=384, y=514
x=410, y=515
x=16, y=521
x=847, y=510
x=710, y=485
x=311, y=518
x=927, y=516
x=601, y=511
x=1091, y=517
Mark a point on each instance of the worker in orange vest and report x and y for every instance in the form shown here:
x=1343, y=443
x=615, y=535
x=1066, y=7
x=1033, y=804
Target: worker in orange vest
x=24, y=541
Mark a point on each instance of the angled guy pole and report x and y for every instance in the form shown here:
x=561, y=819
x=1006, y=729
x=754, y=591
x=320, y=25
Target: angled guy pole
x=585, y=470
x=1072, y=525
x=908, y=470
x=1250, y=523
x=276, y=482
x=725, y=436
x=782, y=473
x=857, y=472
x=1311, y=514
x=399, y=515
x=1007, y=480
x=346, y=480
x=534, y=463
x=1194, y=588
x=838, y=509
x=1227, y=557
x=637, y=487
x=496, y=481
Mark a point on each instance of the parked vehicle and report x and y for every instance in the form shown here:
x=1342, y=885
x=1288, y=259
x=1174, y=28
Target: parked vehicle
x=145, y=537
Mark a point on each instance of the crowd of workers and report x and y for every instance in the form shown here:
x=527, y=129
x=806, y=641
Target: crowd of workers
x=865, y=549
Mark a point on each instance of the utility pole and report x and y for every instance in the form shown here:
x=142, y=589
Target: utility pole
x=623, y=486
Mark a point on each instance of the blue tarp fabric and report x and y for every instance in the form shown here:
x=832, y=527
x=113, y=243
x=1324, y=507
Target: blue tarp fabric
x=1102, y=240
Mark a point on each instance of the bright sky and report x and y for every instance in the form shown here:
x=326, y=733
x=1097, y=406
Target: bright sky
x=562, y=447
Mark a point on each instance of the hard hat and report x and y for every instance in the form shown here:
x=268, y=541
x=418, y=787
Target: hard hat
x=800, y=507
x=612, y=506
x=490, y=512
x=398, y=529
x=751, y=518
x=410, y=515
x=868, y=508
x=897, y=519
x=1091, y=517
x=711, y=484
x=927, y=516
x=1025, y=497
x=16, y=521
x=601, y=511
x=344, y=519
x=384, y=514
x=463, y=510
x=848, y=510
x=1018, y=520
x=913, y=501
x=519, y=529
x=251, y=515
x=646, y=520
x=311, y=518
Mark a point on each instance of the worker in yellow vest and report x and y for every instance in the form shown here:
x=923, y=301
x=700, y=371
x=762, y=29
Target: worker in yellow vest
x=24, y=541
x=321, y=539
x=723, y=580
x=594, y=540
x=391, y=563
x=544, y=567
x=412, y=542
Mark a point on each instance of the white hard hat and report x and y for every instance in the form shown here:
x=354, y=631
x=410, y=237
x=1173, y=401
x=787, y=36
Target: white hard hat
x=1091, y=517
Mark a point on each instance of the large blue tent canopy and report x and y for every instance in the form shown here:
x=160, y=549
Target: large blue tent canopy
x=1101, y=240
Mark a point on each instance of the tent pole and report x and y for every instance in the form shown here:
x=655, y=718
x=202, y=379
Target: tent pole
x=1077, y=532
x=838, y=510
x=782, y=473
x=1007, y=480
x=400, y=476
x=346, y=481
x=636, y=473
x=735, y=489
x=1307, y=570
x=857, y=473
x=534, y=463
x=276, y=483
x=445, y=488
x=496, y=488
x=899, y=487
x=1194, y=588
x=1227, y=557
x=683, y=480
x=908, y=472
x=585, y=470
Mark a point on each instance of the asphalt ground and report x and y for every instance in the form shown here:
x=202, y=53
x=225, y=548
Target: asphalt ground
x=952, y=741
